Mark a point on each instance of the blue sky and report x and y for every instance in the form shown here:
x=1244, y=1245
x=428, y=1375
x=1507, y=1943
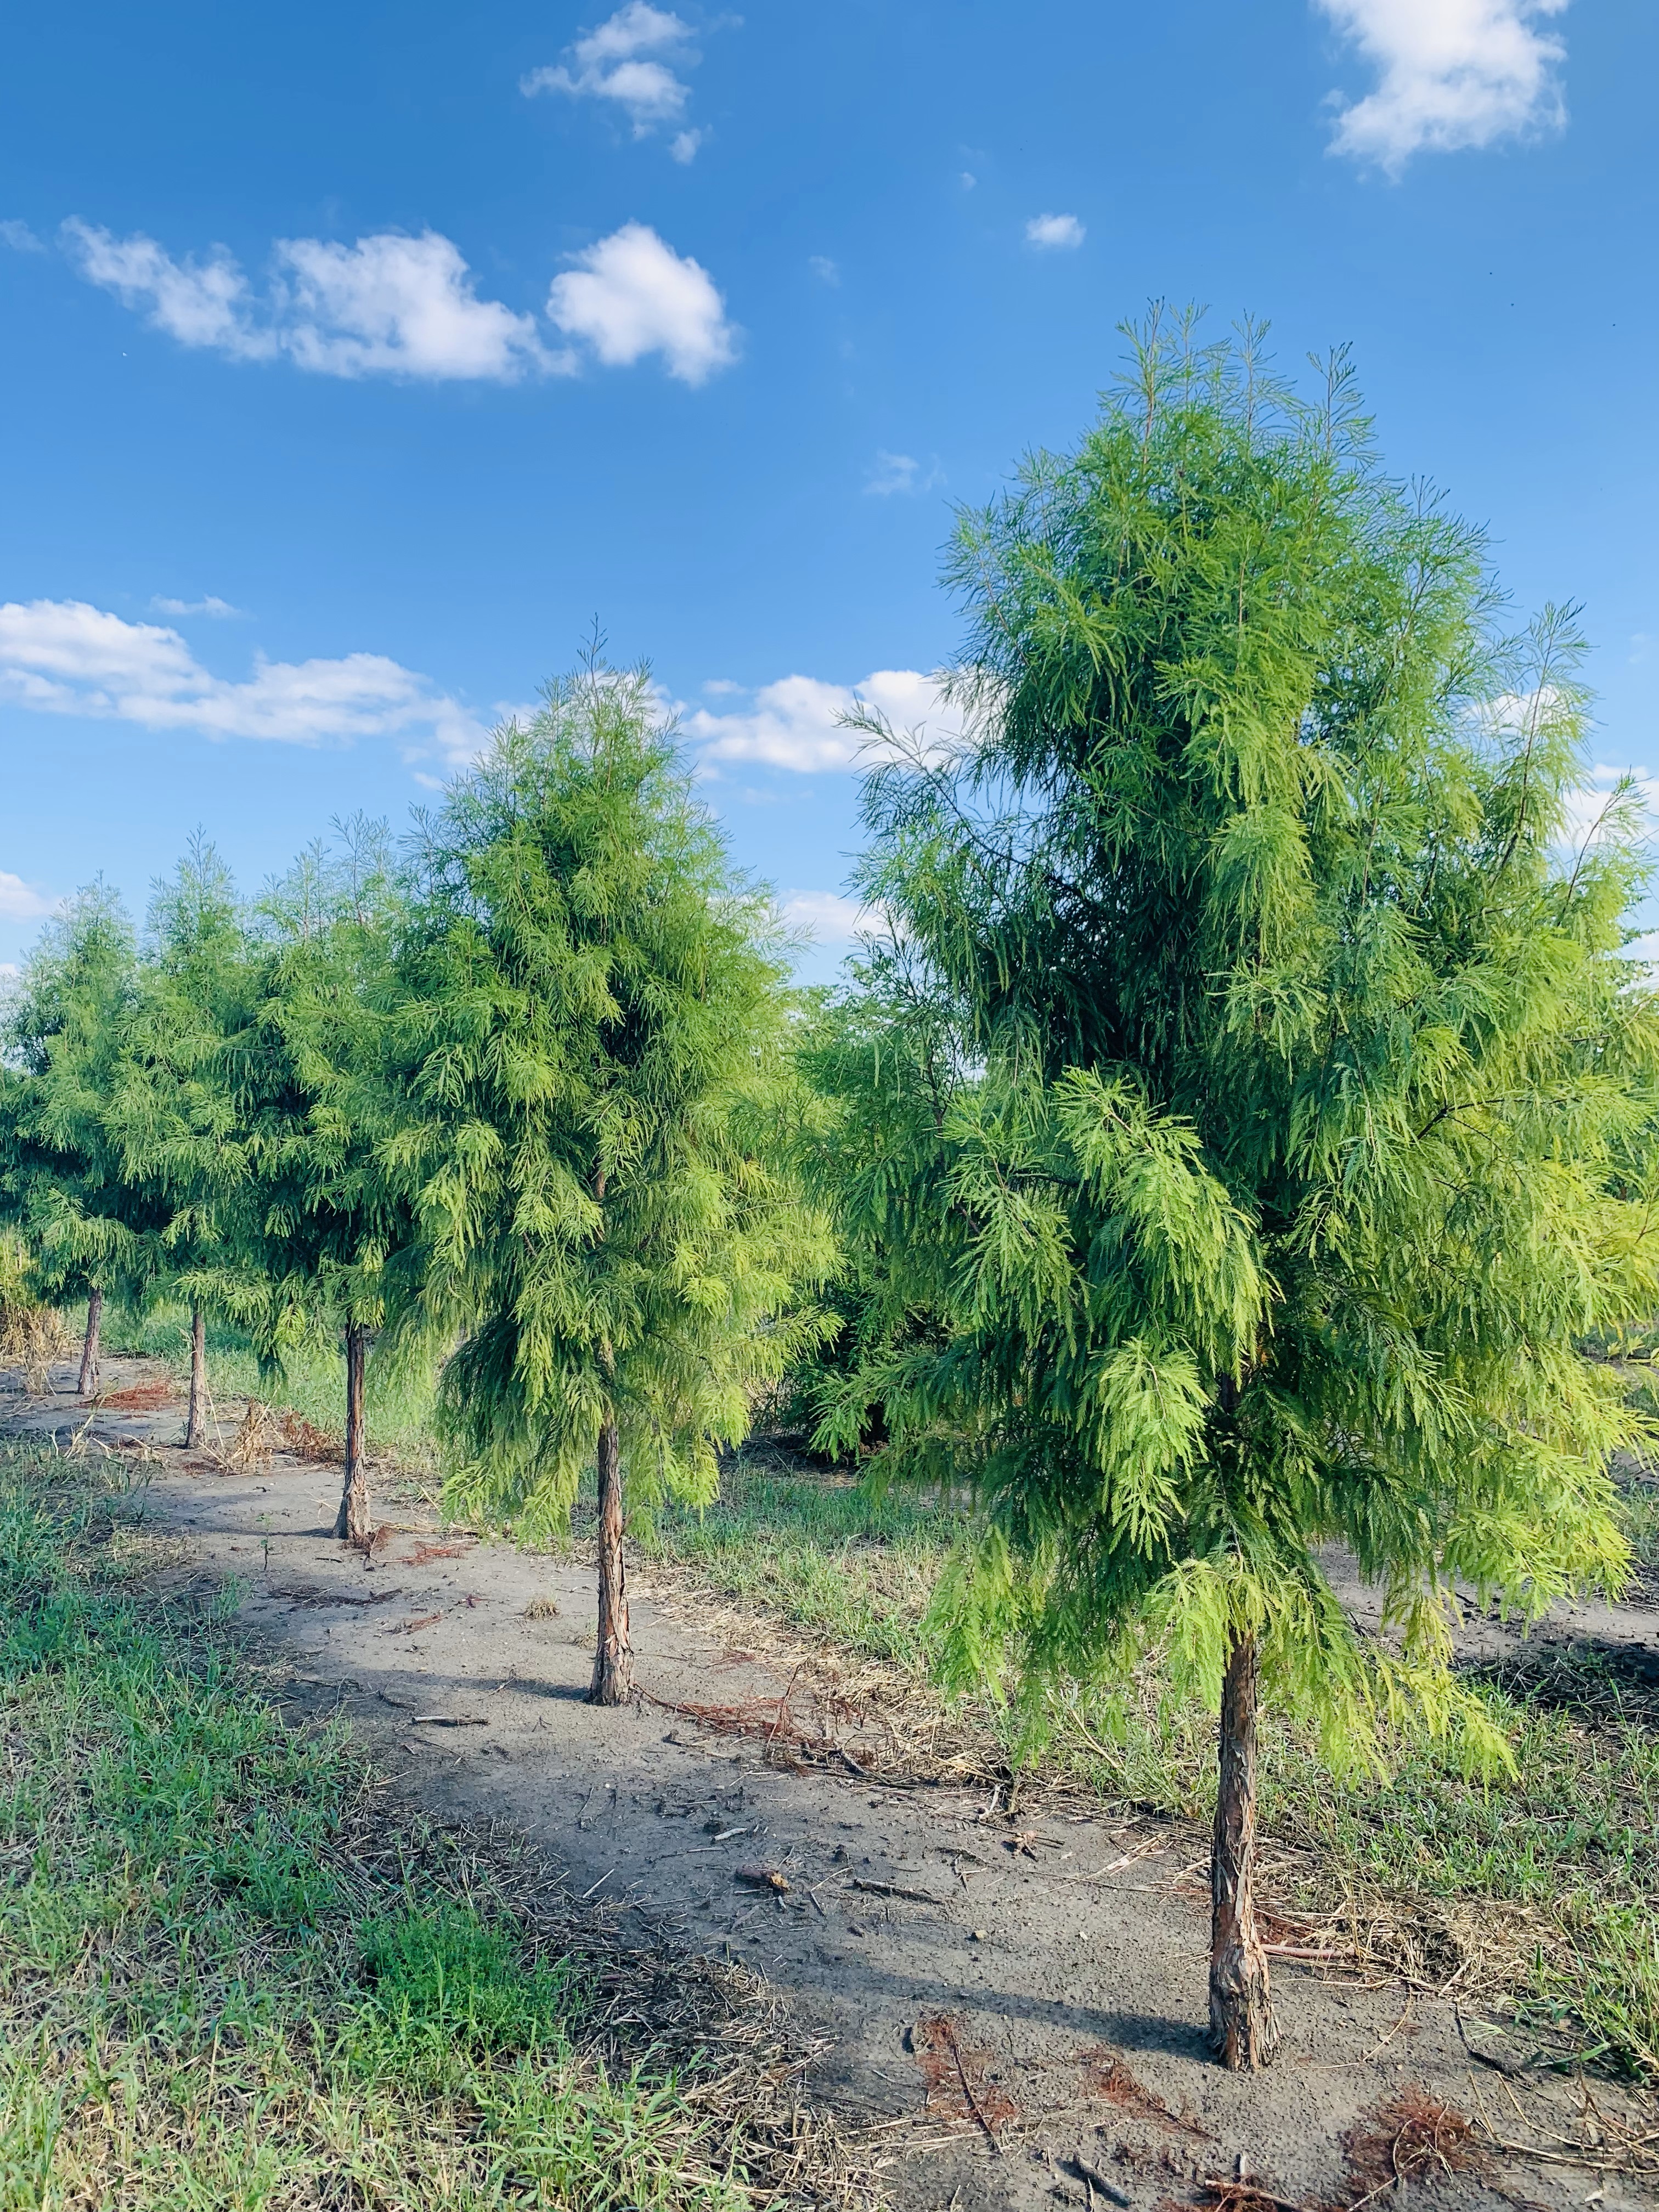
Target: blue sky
x=353, y=360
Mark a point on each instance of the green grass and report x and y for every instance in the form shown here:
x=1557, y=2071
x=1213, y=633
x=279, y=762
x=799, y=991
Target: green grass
x=231, y=1976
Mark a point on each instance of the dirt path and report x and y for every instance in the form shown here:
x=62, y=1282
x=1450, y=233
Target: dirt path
x=1011, y=1996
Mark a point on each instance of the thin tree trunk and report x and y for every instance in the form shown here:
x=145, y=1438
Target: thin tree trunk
x=198, y=1378
x=1242, y=2029
x=353, y=1523
x=613, y=1660
x=89, y=1381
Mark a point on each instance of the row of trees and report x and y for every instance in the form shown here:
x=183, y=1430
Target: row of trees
x=1228, y=1147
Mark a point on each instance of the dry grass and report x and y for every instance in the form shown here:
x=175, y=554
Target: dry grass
x=32, y=1339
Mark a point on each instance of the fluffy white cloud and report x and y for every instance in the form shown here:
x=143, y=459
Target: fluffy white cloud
x=798, y=723
x=388, y=305
x=63, y=656
x=399, y=306
x=1450, y=73
x=631, y=295
x=827, y=917
x=393, y=306
x=220, y=610
x=19, y=237
x=21, y=902
x=1050, y=231
x=631, y=59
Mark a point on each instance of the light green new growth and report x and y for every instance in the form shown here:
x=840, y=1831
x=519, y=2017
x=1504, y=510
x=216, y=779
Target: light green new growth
x=593, y=1051
x=1293, y=1124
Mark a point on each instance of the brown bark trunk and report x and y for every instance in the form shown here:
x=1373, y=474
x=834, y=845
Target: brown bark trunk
x=352, y=1524
x=613, y=1659
x=198, y=1378
x=1242, y=2029
x=89, y=1381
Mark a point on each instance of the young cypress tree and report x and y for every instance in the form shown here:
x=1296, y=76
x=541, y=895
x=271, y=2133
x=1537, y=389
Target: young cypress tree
x=66, y=1033
x=1299, y=1124
x=319, y=1219
x=594, y=1065
x=171, y=1113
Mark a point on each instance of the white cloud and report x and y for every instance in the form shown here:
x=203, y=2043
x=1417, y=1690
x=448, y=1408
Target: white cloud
x=900, y=472
x=828, y=917
x=21, y=902
x=796, y=723
x=1450, y=73
x=1050, y=231
x=388, y=305
x=19, y=237
x=969, y=180
x=391, y=305
x=631, y=295
x=220, y=610
x=65, y=657
x=824, y=268
x=631, y=59
x=396, y=306
x=200, y=303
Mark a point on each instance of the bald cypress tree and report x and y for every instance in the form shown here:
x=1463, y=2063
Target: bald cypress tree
x=594, y=1061
x=66, y=1033
x=1297, y=1127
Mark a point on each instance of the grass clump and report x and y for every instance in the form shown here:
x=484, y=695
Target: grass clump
x=229, y=1978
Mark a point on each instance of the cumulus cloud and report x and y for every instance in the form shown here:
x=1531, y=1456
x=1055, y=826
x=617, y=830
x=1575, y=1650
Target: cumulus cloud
x=19, y=237
x=220, y=610
x=391, y=305
x=798, y=723
x=631, y=60
x=1051, y=231
x=1450, y=73
x=631, y=295
x=21, y=902
x=65, y=657
x=396, y=306
x=388, y=305
x=827, y=917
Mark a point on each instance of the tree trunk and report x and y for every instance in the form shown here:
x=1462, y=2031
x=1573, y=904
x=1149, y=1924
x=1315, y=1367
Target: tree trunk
x=1243, y=2028
x=613, y=1660
x=89, y=1381
x=353, y=1523
x=198, y=1378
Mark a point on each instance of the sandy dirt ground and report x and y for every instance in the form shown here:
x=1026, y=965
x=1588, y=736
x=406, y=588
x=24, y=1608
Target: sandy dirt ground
x=1018, y=2001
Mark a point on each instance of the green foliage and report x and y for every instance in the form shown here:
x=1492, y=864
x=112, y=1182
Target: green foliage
x=171, y=1116
x=1283, y=1117
x=592, y=1057
x=65, y=1032
x=306, y=1074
